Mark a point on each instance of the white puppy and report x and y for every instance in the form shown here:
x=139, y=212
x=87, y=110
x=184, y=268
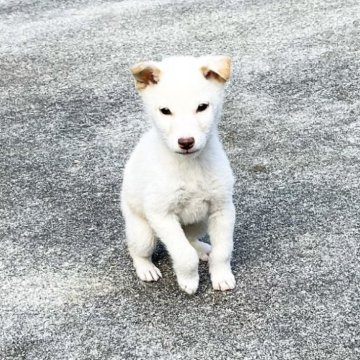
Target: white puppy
x=178, y=183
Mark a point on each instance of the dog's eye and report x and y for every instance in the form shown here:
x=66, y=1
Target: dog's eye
x=202, y=107
x=165, y=111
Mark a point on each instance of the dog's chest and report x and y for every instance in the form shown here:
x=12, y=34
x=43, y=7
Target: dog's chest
x=192, y=201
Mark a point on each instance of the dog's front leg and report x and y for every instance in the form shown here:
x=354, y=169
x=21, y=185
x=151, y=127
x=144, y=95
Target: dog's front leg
x=184, y=256
x=221, y=228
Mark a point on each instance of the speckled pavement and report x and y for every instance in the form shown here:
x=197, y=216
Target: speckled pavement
x=69, y=117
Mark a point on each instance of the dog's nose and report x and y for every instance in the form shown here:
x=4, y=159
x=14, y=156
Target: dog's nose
x=186, y=143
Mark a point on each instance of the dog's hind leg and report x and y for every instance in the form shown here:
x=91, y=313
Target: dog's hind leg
x=141, y=244
x=203, y=249
x=193, y=233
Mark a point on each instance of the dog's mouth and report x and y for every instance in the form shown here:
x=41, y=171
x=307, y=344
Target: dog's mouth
x=187, y=152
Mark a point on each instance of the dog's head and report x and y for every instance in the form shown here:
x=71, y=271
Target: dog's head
x=183, y=96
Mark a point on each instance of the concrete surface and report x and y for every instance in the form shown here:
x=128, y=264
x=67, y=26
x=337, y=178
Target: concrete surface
x=69, y=117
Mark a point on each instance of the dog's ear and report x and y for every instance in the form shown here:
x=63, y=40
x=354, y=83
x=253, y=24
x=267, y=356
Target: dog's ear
x=145, y=73
x=217, y=68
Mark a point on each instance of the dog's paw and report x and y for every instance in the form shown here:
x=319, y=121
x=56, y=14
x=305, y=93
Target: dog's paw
x=147, y=271
x=223, y=280
x=189, y=284
x=203, y=250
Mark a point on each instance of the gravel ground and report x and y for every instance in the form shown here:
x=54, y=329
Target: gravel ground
x=69, y=117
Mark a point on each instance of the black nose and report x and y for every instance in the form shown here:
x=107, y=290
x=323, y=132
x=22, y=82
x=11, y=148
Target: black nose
x=186, y=143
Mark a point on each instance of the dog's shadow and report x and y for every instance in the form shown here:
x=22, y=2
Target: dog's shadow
x=160, y=253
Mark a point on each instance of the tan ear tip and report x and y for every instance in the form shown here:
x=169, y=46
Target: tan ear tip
x=227, y=60
x=136, y=68
x=225, y=67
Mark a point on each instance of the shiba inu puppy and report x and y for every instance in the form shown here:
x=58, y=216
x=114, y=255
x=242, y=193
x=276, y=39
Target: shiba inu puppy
x=178, y=184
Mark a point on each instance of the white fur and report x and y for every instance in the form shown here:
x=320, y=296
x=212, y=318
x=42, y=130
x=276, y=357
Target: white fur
x=177, y=197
